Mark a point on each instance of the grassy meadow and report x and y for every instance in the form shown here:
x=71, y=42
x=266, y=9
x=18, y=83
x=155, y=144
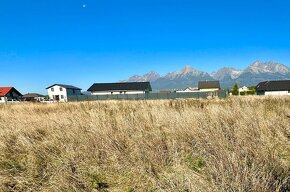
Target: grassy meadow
x=233, y=144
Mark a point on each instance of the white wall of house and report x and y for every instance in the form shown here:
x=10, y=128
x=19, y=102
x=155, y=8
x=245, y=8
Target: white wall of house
x=208, y=90
x=116, y=92
x=39, y=98
x=57, y=92
x=244, y=88
x=61, y=93
x=277, y=92
x=187, y=91
x=2, y=99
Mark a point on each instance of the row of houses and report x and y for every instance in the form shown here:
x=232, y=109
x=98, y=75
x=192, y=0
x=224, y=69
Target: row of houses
x=203, y=86
x=61, y=92
x=11, y=94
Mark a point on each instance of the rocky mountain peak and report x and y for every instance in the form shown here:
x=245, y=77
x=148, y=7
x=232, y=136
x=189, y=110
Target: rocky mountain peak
x=187, y=76
x=150, y=76
x=226, y=72
x=185, y=72
x=187, y=69
x=267, y=67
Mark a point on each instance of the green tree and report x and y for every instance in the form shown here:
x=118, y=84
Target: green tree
x=235, y=89
x=227, y=91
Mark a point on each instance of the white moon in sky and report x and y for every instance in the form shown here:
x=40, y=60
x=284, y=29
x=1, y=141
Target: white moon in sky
x=84, y=5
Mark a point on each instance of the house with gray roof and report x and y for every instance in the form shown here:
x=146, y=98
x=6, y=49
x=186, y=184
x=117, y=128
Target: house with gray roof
x=60, y=92
x=120, y=88
x=209, y=85
x=280, y=87
x=33, y=97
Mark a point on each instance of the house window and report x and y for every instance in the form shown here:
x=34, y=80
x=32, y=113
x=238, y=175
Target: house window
x=60, y=88
x=62, y=96
x=52, y=89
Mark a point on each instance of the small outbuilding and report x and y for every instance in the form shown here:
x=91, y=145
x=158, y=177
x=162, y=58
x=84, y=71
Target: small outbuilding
x=9, y=94
x=33, y=97
x=120, y=88
x=280, y=87
x=188, y=89
x=209, y=85
x=243, y=89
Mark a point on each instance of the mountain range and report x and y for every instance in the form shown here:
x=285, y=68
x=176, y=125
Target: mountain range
x=189, y=77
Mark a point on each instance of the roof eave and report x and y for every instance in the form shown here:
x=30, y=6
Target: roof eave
x=63, y=87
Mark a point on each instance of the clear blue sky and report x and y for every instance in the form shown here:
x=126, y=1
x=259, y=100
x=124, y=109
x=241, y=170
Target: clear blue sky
x=62, y=41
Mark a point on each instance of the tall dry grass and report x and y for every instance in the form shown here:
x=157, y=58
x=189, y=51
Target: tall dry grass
x=234, y=144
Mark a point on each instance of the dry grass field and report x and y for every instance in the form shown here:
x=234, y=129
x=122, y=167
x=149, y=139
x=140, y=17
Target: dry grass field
x=233, y=144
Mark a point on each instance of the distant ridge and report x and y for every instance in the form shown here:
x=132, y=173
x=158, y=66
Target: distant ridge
x=150, y=76
x=189, y=77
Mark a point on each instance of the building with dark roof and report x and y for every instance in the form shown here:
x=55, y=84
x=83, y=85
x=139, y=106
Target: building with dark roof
x=280, y=87
x=9, y=94
x=33, y=97
x=209, y=85
x=60, y=92
x=120, y=88
x=188, y=89
x=65, y=86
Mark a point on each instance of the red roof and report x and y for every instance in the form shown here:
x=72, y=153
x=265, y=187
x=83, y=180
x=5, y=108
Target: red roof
x=4, y=91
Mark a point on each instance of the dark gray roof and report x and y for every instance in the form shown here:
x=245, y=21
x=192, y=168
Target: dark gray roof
x=209, y=85
x=126, y=86
x=281, y=85
x=64, y=86
x=30, y=95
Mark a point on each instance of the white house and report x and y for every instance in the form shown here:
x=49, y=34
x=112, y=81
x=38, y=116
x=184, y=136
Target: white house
x=281, y=87
x=188, y=89
x=9, y=94
x=209, y=86
x=120, y=88
x=243, y=89
x=60, y=92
